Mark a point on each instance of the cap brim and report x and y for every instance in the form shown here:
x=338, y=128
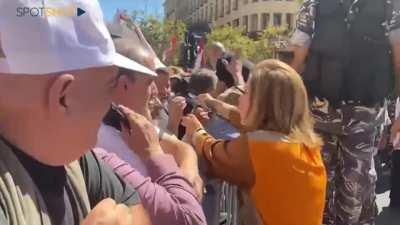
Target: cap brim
x=159, y=64
x=4, y=66
x=126, y=63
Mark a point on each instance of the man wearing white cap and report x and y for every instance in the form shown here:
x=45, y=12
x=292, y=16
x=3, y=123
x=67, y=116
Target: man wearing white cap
x=55, y=86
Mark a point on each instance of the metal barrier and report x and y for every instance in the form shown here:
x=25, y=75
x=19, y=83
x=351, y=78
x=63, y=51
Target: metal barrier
x=229, y=205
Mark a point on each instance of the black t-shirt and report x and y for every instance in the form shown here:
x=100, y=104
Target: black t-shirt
x=101, y=183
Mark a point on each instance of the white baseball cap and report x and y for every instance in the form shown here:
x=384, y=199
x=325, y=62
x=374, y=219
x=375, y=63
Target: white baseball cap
x=48, y=36
x=4, y=66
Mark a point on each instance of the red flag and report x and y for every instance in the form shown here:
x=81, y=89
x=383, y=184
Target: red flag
x=201, y=56
x=173, y=46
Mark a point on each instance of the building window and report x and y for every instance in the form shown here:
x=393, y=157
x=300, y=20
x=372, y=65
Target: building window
x=254, y=22
x=222, y=8
x=235, y=4
x=246, y=23
x=277, y=19
x=289, y=20
x=211, y=13
x=236, y=23
x=265, y=20
x=216, y=9
x=228, y=7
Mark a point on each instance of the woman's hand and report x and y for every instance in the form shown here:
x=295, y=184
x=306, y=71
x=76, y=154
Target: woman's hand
x=205, y=100
x=143, y=136
x=192, y=124
x=202, y=115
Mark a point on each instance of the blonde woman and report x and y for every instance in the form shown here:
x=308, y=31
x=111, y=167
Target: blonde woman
x=276, y=160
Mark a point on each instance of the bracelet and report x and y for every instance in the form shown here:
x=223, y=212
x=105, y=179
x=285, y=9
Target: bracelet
x=199, y=131
x=203, y=148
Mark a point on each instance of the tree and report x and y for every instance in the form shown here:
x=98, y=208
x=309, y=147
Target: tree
x=272, y=39
x=234, y=40
x=159, y=33
x=264, y=47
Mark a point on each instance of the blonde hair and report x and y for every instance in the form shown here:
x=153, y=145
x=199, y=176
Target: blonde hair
x=279, y=102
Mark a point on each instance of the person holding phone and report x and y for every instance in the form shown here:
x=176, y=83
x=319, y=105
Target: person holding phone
x=232, y=71
x=277, y=148
x=168, y=183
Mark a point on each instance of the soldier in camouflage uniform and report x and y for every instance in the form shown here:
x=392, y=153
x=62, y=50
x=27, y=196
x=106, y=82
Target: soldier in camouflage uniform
x=349, y=72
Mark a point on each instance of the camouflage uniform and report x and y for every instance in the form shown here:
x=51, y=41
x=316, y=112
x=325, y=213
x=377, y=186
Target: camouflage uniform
x=349, y=131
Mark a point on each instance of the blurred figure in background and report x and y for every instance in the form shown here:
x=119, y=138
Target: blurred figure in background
x=232, y=71
x=163, y=84
x=214, y=52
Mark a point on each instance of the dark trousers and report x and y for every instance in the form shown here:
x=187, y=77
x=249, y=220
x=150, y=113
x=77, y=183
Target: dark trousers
x=395, y=192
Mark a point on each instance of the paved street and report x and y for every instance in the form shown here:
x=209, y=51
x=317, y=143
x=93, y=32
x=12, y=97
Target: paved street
x=386, y=216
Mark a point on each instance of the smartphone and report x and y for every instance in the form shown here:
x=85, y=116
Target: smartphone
x=120, y=116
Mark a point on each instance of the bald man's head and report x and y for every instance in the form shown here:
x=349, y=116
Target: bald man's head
x=37, y=113
x=135, y=52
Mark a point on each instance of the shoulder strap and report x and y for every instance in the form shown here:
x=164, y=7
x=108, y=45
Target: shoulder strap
x=77, y=186
x=21, y=199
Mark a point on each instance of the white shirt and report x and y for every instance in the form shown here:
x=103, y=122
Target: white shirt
x=111, y=140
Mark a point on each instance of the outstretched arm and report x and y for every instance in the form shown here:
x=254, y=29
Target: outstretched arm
x=228, y=160
x=226, y=111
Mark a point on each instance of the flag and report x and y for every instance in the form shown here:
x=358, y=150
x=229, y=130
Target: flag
x=173, y=46
x=201, y=56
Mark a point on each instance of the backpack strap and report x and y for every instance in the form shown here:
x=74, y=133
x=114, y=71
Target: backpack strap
x=20, y=198
x=77, y=186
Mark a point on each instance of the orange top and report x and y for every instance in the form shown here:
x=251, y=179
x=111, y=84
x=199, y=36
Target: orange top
x=290, y=181
x=286, y=181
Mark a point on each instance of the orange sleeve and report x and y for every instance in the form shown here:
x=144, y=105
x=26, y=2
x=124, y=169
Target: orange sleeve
x=228, y=160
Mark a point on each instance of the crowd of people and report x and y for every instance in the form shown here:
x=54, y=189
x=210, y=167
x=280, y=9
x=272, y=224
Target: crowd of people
x=95, y=129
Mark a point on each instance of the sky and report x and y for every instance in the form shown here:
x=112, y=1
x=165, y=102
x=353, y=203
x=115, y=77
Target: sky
x=150, y=7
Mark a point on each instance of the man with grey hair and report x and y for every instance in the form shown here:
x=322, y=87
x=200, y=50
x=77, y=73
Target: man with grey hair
x=214, y=52
x=55, y=88
x=203, y=81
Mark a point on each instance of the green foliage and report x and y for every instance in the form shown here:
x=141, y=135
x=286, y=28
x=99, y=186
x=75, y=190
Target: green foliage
x=269, y=42
x=234, y=40
x=159, y=33
x=256, y=50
